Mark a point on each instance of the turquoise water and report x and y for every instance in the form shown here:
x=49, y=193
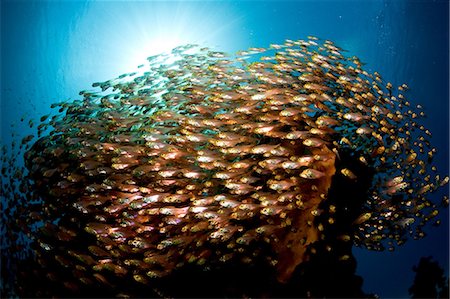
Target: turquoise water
x=51, y=50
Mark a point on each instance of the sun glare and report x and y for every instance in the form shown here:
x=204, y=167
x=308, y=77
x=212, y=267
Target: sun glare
x=154, y=46
x=126, y=33
x=161, y=45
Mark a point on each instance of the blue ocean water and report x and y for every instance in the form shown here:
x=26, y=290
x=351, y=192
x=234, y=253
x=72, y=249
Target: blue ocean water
x=50, y=50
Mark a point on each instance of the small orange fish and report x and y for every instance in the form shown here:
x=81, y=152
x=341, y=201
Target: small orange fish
x=311, y=173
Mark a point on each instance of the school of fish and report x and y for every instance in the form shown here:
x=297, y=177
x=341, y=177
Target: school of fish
x=205, y=158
